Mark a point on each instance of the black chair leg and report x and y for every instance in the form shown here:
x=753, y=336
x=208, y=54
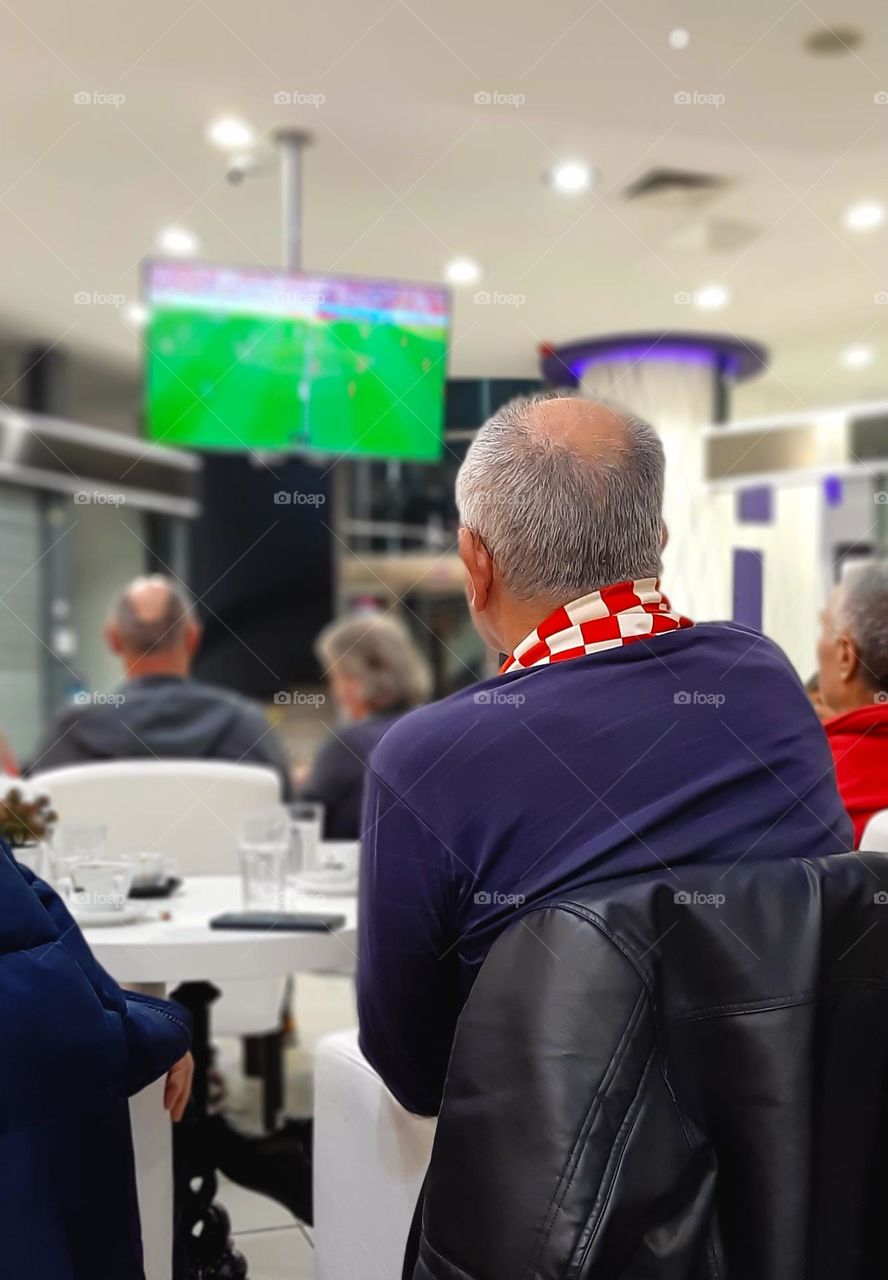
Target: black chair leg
x=252, y=1056
x=272, y=1080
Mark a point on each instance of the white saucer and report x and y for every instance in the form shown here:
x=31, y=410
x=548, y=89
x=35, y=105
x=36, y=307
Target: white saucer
x=327, y=884
x=108, y=919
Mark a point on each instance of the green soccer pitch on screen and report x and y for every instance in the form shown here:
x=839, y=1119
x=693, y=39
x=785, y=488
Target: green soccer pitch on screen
x=245, y=359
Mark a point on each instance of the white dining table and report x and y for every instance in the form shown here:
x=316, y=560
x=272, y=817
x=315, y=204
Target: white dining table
x=173, y=949
x=174, y=943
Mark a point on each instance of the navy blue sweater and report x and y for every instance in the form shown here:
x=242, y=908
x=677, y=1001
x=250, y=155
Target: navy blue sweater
x=696, y=746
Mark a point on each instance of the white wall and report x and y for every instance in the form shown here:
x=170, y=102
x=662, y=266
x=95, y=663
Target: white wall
x=106, y=552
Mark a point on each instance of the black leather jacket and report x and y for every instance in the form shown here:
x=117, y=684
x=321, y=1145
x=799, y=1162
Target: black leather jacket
x=674, y=1078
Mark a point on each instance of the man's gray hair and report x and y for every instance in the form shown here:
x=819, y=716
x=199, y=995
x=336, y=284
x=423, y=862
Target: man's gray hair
x=160, y=634
x=380, y=654
x=863, y=610
x=559, y=524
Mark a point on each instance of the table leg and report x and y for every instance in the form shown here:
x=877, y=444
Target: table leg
x=203, y=1233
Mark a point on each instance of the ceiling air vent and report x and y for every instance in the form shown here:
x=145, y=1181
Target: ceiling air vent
x=675, y=186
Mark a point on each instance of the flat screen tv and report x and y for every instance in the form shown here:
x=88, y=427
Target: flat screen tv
x=243, y=358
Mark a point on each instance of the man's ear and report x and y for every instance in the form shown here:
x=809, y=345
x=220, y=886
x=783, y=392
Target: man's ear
x=193, y=635
x=112, y=638
x=479, y=569
x=847, y=658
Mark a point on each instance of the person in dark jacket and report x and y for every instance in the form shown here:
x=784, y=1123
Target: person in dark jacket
x=75, y=1046
x=375, y=674
x=619, y=737
x=160, y=711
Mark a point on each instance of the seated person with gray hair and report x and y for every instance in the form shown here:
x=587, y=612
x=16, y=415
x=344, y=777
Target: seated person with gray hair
x=161, y=711
x=375, y=674
x=853, y=657
x=601, y=750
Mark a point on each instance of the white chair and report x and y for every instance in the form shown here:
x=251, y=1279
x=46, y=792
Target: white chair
x=875, y=834
x=370, y=1158
x=153, y=1151
x=187, y=809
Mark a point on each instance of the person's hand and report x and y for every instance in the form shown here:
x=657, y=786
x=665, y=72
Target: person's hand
x=178, y=1087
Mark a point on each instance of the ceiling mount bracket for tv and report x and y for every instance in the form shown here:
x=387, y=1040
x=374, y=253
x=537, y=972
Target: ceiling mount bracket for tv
x=291, y=144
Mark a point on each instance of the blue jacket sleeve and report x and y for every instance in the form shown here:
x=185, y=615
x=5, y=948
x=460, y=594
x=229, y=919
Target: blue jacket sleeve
x=157, y=1032
x=408, y=987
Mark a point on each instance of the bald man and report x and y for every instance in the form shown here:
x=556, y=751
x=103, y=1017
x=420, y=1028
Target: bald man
x=618, y=738
x=160, y=711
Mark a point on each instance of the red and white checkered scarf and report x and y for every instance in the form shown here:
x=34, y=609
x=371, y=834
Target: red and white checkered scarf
x=604, y=619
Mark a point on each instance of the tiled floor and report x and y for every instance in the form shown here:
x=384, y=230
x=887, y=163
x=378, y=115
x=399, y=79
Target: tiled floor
x=276, y=1247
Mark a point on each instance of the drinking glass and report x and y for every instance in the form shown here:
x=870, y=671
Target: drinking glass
x=263, y=851
x=71, y=843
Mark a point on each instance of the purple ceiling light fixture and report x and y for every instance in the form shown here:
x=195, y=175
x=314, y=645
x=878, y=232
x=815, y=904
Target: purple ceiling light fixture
x=731, y=359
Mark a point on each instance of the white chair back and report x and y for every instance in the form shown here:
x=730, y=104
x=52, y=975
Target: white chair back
x=875, y=833
x=153, y=1152
x=370, y=1158
x=186, y=809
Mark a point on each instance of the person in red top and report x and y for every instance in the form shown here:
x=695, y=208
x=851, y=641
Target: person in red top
x=853, y=657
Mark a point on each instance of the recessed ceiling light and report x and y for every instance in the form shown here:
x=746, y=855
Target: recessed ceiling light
x=571, y=176
x=712, y=297
x=230, y=134
x=857, y=356
x=136, y=314
x=462, y=271
x=177, y=241
x=679, y=38
x=864, y=216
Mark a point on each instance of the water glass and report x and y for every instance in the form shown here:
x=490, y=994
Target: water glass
x=264, y=852
x=73, y=843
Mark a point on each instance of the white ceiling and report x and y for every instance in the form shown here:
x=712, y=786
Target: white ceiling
x=408, y=171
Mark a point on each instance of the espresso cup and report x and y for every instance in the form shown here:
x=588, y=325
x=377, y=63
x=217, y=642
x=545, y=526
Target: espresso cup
x=101, y=884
